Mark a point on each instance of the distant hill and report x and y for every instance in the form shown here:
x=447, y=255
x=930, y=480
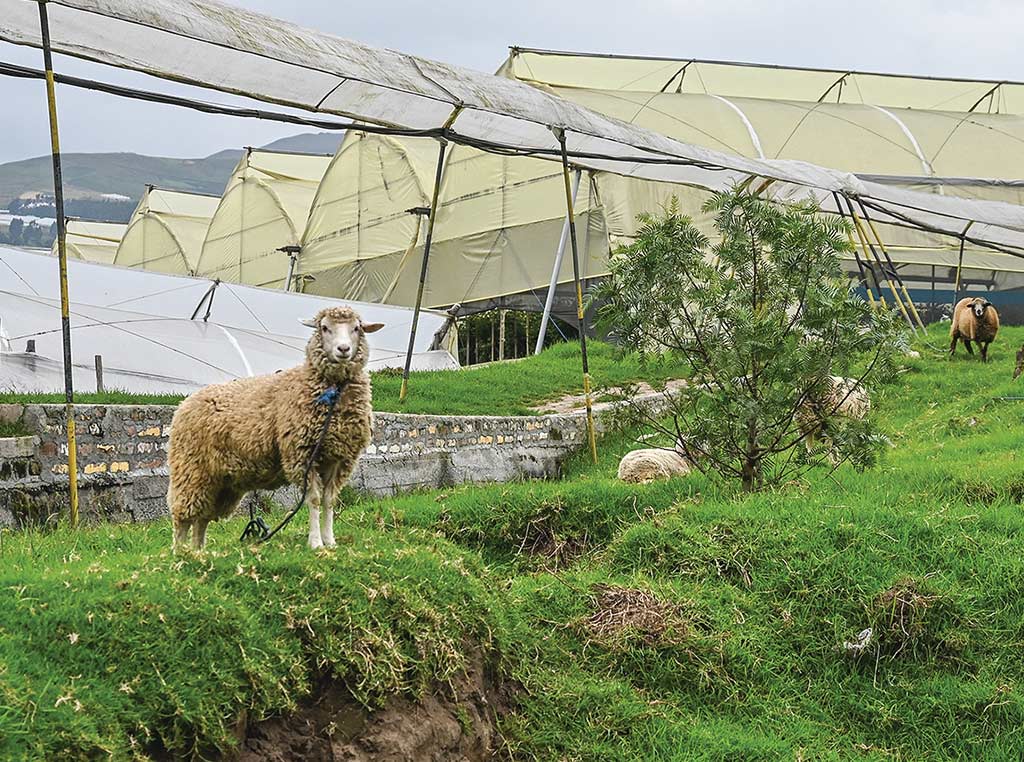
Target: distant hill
x=91, y=175
x=315, y=142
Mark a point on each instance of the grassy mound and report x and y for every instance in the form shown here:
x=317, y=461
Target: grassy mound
x=873, y=615
x=111, y=646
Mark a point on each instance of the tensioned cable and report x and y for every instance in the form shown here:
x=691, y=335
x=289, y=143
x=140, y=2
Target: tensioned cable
x=18, y=276
x=651, y=157
x=246, y=306
x=149, y=295
x=118, y=327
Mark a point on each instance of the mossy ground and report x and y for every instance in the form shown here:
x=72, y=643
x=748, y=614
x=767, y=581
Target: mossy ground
x=680, y=620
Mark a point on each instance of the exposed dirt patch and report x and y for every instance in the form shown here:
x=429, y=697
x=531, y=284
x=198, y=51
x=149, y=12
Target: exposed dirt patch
x=450, y=724
x=572, y=402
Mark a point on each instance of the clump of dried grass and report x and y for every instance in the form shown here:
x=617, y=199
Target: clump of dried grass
x=626, y=611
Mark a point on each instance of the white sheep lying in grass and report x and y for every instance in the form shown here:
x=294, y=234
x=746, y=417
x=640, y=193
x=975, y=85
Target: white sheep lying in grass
x=845, y=398
x=652, y=464
x=258, y=433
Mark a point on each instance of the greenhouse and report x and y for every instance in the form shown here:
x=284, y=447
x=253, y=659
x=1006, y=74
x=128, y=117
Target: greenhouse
x=166, y=231
x=95, y=242
x=173, y=334
x=259, y=221
x=499, y=217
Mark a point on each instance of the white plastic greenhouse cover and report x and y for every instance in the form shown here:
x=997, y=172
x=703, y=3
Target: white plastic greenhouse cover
x=140, y=323
x=264, y=209
x=210, y=44
x=95, y=242
x=166, y=231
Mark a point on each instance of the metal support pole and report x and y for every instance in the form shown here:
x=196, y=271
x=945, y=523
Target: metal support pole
x=960, y=264
x=559, y=256
x=293, y=254
x=98, y=364
x=62, y=264
x=442, y=147
x=501, y=333
x=570, y=215
x=933, y=305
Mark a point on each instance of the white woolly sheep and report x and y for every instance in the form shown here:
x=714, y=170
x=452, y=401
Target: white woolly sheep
x=259, y=433
x=845, y=398
x=652, y=464
x=974, y=319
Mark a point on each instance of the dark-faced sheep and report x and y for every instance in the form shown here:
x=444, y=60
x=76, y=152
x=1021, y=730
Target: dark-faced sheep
x=259, y=433
x=974, y=319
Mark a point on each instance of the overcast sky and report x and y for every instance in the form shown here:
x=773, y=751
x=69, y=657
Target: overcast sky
x=967, y=38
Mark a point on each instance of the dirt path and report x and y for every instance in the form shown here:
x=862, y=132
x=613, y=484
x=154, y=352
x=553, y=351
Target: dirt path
x=571, y=402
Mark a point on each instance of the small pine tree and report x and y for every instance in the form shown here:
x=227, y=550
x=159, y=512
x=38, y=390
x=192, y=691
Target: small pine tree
x=761, y=319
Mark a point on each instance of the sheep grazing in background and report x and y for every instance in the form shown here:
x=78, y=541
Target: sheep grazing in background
x=259, y=433
x=974, y=319
x=652, y=464
x=845, y=398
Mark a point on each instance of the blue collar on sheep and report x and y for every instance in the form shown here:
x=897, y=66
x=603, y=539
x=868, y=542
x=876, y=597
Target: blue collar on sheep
x=257, y=527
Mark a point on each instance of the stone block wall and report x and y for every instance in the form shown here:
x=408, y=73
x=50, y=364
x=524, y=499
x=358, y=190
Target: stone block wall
x=122, y=457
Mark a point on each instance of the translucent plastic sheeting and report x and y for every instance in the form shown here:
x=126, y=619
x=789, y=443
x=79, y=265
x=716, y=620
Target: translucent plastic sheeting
x=654, y=74
x=498, y=222
x=143, y=353
x=263, y=210
x=166, y=231
x=218, y=46
x=95, y=242
x=269, y=319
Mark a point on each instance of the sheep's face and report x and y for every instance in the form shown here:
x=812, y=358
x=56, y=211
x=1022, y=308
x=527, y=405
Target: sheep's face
x=341, y=335
x=978, y=307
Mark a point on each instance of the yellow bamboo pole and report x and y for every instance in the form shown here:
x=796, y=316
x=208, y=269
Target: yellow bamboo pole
x=903, y=286
x=867, y=247
x=62, y=265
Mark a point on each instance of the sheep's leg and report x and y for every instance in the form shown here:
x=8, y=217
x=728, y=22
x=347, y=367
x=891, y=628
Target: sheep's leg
x=328, y=530
x=181, y=530
x=330, y=503
x=970, y=349
x=315, y=499
x=199, y=533
x=984, y=351
x=952, y=346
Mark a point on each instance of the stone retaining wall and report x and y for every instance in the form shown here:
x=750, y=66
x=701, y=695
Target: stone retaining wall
x=122, y=457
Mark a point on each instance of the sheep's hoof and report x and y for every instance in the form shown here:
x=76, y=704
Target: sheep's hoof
x=317, y=545
x=330, y=543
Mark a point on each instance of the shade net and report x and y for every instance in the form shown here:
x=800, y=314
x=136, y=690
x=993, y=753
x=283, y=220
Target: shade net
x=139, y=322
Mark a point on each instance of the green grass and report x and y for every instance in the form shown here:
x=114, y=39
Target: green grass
x=500, y=389
x=113, y=397
x=755, y=596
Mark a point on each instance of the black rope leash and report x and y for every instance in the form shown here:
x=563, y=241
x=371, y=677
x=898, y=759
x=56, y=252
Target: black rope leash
x=257, y=528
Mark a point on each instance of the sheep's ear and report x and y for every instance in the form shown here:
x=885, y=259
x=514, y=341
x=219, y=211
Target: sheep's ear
x=311, y=323
x=372, y=327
